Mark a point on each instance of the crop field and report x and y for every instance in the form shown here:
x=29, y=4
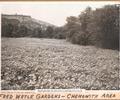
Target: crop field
x=33, y=63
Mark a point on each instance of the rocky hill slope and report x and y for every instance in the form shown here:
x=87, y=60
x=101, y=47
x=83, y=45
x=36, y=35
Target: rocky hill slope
x=28, y=21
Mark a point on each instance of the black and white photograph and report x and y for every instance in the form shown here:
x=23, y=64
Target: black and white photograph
x=60, y=45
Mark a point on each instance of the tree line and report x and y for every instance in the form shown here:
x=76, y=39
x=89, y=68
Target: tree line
x=99, y=27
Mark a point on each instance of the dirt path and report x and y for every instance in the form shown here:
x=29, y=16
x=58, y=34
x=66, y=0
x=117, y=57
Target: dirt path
x=29, y=63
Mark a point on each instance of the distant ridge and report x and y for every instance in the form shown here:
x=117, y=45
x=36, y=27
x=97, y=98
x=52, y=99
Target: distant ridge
x=28, y=21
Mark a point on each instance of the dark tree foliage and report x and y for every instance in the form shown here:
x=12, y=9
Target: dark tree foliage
x=98, y=27
x=59, y=33
x=20, y=31
x=37, y=32
x=77, y=28
x=72, y=27
x=106, y=21
x=9, y=26
x=49, y=32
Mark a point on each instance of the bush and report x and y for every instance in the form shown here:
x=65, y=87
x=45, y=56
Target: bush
x=59, y=33
x=81, y=38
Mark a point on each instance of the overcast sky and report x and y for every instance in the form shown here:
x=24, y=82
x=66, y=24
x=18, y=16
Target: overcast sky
x=52, y=12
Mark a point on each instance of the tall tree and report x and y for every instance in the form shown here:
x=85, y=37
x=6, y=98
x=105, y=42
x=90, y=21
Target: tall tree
x=107, y=28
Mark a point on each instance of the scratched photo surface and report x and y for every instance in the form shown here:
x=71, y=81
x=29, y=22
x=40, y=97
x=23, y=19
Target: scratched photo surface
x=60, y=45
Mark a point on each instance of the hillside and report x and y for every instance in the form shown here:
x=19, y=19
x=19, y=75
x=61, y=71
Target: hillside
x=28, y=21
x=30, y=63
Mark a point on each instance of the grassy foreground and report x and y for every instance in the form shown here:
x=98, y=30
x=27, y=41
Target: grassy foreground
x=30, y=63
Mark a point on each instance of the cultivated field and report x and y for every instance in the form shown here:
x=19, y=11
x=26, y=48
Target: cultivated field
x=29, y=63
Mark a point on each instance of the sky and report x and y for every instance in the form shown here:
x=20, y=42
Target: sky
x=51, y=12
